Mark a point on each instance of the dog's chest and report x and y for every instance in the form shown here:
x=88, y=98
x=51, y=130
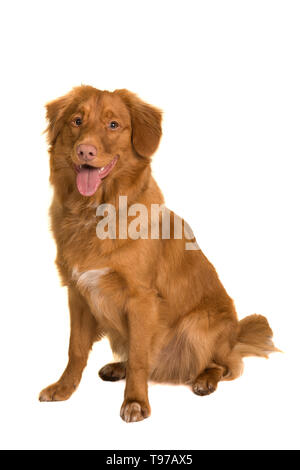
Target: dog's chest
x=78, y=245
x=89, y=284
x=79, y=232
x=87, y=263
x=102, y=289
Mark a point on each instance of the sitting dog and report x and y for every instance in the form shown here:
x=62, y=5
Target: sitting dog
x=136, y=280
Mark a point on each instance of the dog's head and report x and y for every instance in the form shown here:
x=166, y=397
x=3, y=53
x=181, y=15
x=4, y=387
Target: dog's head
x=99, y=135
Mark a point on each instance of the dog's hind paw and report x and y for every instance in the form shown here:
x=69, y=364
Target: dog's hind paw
x=113, y=372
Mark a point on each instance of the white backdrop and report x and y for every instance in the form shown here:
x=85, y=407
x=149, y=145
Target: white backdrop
x=227, y=76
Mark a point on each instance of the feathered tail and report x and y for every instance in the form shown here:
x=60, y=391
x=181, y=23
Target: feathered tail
x=255, y=337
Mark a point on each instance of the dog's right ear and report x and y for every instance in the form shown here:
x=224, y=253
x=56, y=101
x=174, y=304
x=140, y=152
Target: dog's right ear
x=55, y=111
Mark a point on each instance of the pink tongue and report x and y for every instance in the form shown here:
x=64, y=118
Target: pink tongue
x=88, y=181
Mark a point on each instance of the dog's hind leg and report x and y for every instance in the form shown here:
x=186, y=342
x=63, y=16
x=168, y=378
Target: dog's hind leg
x=207, y=382
x=188, y=350
x=226, y=363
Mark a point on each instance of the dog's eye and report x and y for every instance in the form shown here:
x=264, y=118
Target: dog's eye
x=113, y=125
x=77, y=121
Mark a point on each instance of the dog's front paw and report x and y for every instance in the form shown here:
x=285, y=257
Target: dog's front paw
x=58, y=391
x=132, y=411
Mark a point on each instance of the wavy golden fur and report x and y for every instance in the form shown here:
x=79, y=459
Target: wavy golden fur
x=166, y=314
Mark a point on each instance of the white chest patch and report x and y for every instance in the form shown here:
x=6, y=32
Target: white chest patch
x=90, y=279
x=89, y=285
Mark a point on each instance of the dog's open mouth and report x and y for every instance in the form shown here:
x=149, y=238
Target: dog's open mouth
x=90, y=177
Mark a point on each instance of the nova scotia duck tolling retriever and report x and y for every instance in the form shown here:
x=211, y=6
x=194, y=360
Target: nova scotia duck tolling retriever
x=133, y=271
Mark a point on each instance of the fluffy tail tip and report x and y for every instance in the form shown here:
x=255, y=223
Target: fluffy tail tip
x=255, y=337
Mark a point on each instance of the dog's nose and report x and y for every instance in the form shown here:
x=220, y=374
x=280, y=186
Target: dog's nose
x=86, y=152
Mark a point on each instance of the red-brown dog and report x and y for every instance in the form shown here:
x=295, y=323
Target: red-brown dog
x=162, y=306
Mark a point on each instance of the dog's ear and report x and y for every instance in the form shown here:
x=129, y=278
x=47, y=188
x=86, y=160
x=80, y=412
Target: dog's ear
x=54, y=114
x=145, y=122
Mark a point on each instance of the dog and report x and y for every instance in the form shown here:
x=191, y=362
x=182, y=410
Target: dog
x=162, y=306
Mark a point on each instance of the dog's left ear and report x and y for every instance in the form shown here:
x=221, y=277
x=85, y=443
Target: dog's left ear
x=145, y=121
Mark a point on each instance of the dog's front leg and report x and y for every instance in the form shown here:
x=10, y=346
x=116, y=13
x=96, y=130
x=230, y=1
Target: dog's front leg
x=83, y=334
x=142, y=321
